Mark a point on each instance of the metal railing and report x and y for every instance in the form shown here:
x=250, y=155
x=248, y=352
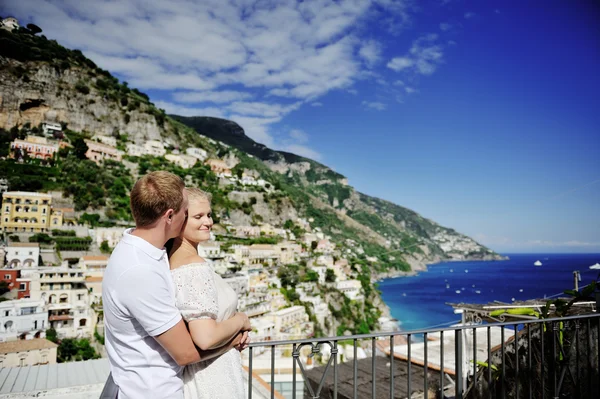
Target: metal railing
x=546, y=358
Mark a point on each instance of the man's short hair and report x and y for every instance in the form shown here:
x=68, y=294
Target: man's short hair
x=153, y=195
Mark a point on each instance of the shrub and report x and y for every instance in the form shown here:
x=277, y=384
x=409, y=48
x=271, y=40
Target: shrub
x=82, y=87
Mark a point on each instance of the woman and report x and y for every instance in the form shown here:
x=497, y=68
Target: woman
x=208, y=305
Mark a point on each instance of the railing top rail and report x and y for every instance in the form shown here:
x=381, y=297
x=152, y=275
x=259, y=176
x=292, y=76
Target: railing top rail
x=413, y=332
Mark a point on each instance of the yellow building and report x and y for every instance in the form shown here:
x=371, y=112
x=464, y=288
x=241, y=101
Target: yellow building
x=28, y=212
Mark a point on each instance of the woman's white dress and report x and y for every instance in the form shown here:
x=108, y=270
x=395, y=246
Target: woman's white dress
x=201, y=293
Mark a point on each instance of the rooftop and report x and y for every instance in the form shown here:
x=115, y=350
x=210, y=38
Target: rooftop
x=40, y=379
x=23, y=244
x=26, y=345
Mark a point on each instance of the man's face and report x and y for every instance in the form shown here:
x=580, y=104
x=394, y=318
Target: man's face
x=179, y=218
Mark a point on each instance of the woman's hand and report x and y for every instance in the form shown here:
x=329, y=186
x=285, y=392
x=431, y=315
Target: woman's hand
x=244, y=342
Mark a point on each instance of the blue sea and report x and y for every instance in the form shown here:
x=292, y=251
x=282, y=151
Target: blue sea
x=419, y=301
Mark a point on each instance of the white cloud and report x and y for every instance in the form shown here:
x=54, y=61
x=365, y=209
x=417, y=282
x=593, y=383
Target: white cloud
x=374, y=105
x=571, y=243
x=316, y=104
x=423, y=57
x=444, y=26
x=370, y=51
x=400, y=63
x=299, y=135
x=470, y=15
x=224, y=96
x=410, y=90
x=302, y=150
x=249, y=56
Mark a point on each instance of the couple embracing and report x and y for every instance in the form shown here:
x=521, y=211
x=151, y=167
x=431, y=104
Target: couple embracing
x=172, y=329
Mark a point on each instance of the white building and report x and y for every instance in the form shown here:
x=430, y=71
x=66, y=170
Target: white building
x=135, y=150
x=210, y=250
x=155, y=147
x=293, y=320
x=197, y=153
x=67, y=298
x=93, y=265
x=263, y=328
x=22, y=319
x=22, y=255
x=111, y=141
x=49, y=128
x=183, y=161
x=9, y=24
x=112, y=235
x=27, y=353
x=350, y=288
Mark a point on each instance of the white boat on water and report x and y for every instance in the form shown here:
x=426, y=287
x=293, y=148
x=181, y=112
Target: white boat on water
x=595, y=267
x=447, y=285
x=478, y=292
x=458, y=291
x=537, y=263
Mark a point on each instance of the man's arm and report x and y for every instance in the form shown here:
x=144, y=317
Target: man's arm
x=178, y=343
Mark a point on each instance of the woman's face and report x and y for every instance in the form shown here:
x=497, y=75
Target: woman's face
x=199, y=221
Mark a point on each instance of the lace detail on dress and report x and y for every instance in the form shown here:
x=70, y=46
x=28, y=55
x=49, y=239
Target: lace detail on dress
x=196, y=294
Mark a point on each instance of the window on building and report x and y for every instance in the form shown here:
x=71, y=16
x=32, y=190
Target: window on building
x=21, y=362
x=7, y=276
x=79, y=297
x=7, y=209
x=23, y=287
x=6, y=313
x=6, y=220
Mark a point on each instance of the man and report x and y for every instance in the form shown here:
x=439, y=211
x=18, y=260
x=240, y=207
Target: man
x=146, y=339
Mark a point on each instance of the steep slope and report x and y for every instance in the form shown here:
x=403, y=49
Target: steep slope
x=43, y=81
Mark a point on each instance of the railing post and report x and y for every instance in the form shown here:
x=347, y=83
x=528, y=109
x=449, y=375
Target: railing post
x=458, y=363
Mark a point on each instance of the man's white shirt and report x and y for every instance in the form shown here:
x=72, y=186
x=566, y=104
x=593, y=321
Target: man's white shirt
x=138, y=296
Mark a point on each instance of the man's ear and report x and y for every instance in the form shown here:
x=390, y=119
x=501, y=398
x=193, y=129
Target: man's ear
x=169, y=215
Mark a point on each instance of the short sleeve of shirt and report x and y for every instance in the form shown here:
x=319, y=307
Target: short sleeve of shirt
x=197, y=296
x=149, y=300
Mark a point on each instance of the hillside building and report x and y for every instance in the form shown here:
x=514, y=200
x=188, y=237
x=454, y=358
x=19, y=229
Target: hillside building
x=34, y=147
x=29, y=212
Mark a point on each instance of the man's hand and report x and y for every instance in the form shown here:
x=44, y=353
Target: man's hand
x=244, y=341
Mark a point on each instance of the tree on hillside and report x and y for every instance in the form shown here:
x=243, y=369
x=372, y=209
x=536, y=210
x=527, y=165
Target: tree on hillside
x=329, y=276
x=80, y=148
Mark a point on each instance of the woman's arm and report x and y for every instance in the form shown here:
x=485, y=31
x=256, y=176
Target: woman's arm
x=208, y=334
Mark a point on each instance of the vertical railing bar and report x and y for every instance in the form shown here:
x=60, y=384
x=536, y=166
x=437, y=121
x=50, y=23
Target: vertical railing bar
x=294, y=371
x=458, y=364
x=426, y=373
x=554, y=382
x=355, y=371
x=335, y=370
x=542, y=364
x=503, y=362
x=392, y=370
x=577, y=358
x=589, y=357
x=490, y=362
x=517, y=380
x=442, y=363
x=273, y=372
x=474, y=357
x=373, y=351
x=409, y=363
x=530, y=379
x=250, y=373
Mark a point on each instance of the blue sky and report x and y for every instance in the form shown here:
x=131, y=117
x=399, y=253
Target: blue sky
x=480, y=115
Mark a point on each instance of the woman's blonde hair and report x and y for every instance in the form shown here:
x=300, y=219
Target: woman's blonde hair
x=197, y=194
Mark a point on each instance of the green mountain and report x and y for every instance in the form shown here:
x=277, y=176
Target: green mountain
x=43, y=81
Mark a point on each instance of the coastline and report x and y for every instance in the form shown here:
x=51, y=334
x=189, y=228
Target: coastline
x=417, y=266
